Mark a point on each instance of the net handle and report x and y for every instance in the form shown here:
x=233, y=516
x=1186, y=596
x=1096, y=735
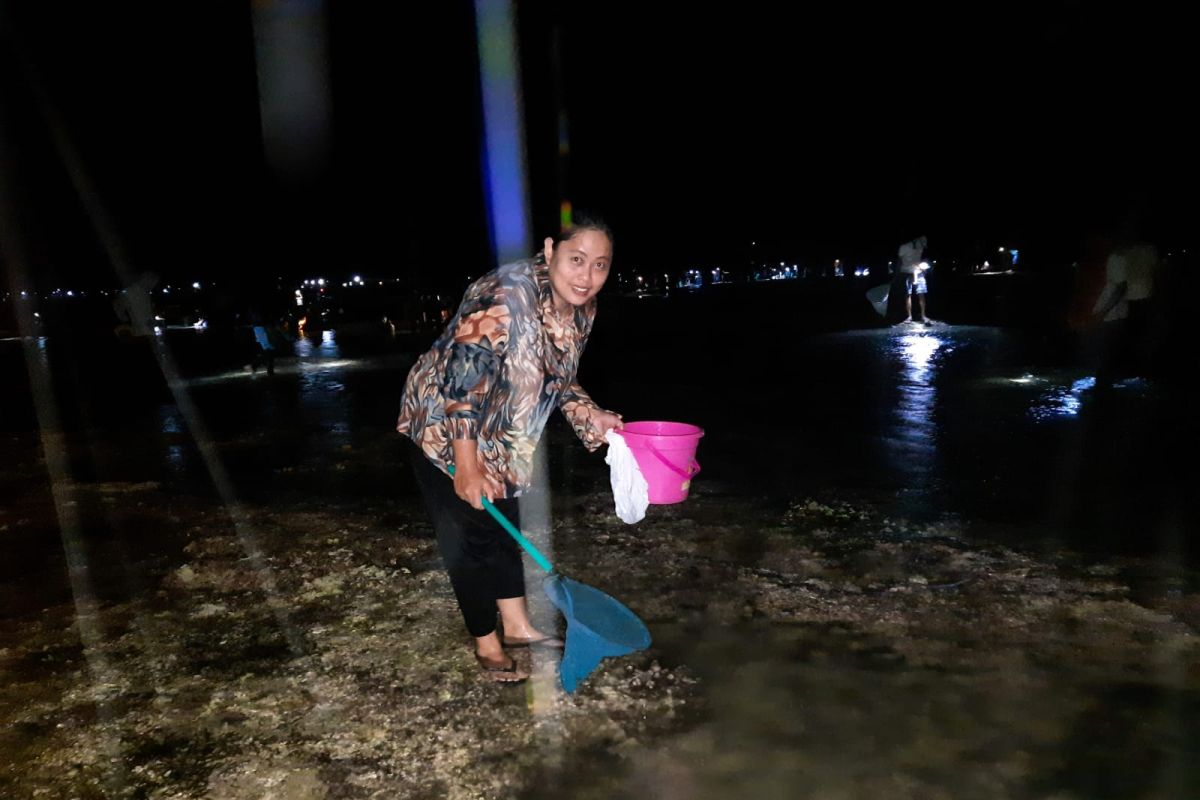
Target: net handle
x=534, y=553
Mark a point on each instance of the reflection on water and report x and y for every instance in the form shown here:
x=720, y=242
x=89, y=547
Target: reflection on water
x=322, y=391
x=918, y=351
x=172, y=425
x=325, y=350
x=170, y=419
x=1066, y=402
x=1062, y=401
x=914, y=430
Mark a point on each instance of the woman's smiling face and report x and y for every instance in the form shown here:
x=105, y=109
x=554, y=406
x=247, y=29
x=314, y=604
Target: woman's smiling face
x=578, y=267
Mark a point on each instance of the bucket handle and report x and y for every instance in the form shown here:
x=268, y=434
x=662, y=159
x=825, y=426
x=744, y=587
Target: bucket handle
x=692, y=471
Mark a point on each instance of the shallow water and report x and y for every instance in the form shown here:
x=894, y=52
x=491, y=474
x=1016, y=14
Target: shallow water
x=918, y=563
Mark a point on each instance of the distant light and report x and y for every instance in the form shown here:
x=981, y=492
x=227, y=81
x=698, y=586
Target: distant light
x=1001, y=249
x=195, y=284
x=166, y=290
x=24, y=294
x=200, y=324
x=157, y=331
x=357, y=279
x=36, y=314
x=299, y=293
x=320, y=281
x=70, y=293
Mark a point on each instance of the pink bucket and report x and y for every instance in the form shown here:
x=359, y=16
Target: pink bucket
x=666, y=454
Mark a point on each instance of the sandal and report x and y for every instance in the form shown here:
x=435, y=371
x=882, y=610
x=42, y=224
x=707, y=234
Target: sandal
x=548, y=642
x=496, y=672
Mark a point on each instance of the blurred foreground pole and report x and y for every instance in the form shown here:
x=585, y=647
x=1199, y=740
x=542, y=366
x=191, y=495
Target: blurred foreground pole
x=505, y=184
x=291, y=56
x=506, y=193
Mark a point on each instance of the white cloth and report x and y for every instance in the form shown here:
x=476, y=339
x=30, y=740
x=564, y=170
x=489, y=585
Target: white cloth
x=630, y=490
x=1134, y=267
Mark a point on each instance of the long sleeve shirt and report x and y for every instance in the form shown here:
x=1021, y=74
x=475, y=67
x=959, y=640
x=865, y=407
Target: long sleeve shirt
x=503, y=364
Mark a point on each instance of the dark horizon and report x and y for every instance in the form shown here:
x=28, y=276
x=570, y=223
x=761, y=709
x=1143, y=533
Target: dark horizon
x=827, y=134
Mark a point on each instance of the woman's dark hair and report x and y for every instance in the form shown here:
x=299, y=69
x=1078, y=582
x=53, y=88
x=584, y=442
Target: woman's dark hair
x=585, y=222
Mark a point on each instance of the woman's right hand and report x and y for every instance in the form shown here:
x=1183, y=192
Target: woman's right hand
x=471, y=485
x=471, y=482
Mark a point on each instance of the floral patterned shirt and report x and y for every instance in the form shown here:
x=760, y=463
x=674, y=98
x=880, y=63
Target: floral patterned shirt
x=503, y=364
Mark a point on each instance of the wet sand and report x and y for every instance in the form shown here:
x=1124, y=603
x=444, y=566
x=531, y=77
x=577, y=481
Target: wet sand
x=293, y=636
x=819, y=652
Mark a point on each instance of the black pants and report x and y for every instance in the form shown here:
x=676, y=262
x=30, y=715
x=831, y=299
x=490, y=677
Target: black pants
x=483, y=560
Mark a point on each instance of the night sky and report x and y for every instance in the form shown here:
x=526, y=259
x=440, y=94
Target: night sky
x=837, y=131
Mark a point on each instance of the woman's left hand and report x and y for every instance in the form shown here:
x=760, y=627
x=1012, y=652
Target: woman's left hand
x=603, y=421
